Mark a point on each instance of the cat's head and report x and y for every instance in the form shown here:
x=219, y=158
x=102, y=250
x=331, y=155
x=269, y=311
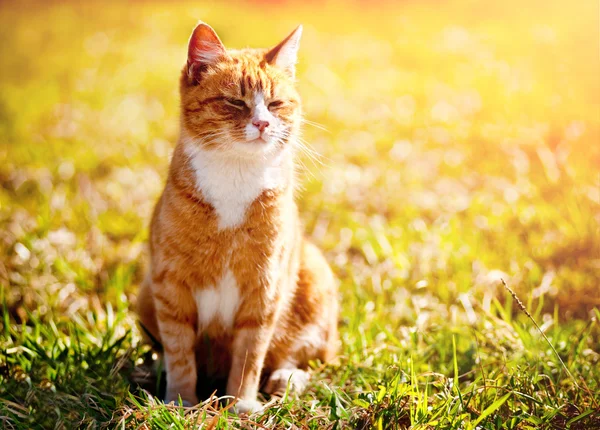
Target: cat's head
x=241, y=102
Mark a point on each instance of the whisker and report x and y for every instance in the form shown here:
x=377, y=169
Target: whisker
x=315, y=124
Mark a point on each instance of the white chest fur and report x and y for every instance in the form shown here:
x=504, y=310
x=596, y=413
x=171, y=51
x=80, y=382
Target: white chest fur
x=230, y=184
x=219, y=302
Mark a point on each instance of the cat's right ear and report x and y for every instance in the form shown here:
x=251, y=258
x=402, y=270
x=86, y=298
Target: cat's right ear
x=204, y=48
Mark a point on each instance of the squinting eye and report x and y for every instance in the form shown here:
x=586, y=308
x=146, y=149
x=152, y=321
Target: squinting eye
x=236, y=102
x=275, y=104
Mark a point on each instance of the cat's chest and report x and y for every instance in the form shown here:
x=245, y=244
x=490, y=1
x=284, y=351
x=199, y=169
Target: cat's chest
x=234, y=264
x=231, y=185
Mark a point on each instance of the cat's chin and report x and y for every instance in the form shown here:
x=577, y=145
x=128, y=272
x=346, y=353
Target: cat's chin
x=253, y=148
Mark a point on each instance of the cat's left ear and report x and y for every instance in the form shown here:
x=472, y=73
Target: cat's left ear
x=204, y=48
x=285, y=55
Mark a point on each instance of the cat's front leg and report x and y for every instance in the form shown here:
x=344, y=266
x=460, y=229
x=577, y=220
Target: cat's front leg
x=250, y=345
x=176, y=317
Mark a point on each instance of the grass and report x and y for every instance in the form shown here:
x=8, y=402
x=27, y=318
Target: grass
x=461, y=148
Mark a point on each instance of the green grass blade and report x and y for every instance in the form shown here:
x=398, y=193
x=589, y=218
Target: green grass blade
x=492, y=408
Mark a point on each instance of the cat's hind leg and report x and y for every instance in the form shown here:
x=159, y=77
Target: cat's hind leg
x=291, y=380
x=308, y=330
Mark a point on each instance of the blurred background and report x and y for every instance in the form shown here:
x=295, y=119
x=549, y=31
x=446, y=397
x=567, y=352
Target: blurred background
x=455, y=143
x=459, y=143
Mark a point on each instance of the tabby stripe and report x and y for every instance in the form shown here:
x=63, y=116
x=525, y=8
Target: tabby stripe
x=203, y=103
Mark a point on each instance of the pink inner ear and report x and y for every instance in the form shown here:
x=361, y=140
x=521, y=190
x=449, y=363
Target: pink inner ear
x=205, y=46
x=285, y=54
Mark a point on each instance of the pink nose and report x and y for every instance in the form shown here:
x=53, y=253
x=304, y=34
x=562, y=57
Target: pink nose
x=261, y=125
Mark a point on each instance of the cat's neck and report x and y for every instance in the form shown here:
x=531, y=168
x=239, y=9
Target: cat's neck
x=230, y=183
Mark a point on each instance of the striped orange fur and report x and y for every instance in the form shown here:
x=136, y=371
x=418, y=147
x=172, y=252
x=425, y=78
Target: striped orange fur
x=229, y=263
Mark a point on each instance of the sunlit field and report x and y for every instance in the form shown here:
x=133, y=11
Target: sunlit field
x=453, y=144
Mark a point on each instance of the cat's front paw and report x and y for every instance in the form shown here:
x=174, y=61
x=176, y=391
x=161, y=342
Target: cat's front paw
x=247, y=406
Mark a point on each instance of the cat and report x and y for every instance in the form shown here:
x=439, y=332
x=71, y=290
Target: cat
x=234, y=289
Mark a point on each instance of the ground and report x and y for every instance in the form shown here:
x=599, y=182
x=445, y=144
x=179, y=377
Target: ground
x=459, y=145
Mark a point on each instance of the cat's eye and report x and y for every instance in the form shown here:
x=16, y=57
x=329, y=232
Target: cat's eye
x=237, y=103
x=276, y=104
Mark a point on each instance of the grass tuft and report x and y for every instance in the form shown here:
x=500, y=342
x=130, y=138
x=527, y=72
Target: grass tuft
x=526, y=312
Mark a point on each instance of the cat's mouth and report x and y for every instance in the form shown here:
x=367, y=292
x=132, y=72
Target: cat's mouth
x=260, y=145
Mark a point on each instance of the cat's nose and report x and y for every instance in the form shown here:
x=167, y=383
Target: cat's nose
x=260, y=124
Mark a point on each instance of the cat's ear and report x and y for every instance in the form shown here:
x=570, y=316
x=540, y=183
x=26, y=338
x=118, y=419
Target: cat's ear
x=285, y=55
x=204, y=48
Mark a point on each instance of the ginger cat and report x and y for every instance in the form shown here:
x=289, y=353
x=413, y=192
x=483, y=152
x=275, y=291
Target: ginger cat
x=233, y=287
